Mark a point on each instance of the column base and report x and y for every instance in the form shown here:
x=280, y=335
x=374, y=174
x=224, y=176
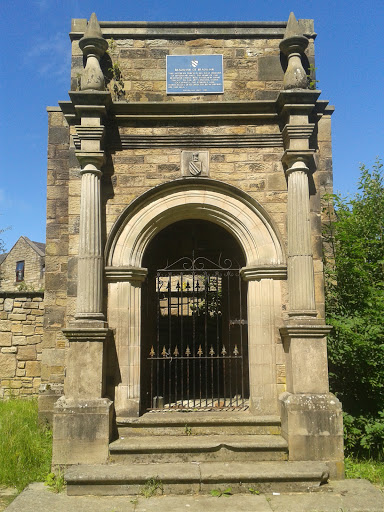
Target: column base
x=81, y=431
x=312, y=424
x=130, y=409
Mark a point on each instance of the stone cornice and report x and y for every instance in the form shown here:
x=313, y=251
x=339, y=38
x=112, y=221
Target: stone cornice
x=294, y=131
x=192, y=112
x=255, y=273
x=192, y=141
x=89, y=132
x=191, y=30
x=120, y=274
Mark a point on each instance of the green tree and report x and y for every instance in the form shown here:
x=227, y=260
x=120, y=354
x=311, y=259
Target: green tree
x=354, y=278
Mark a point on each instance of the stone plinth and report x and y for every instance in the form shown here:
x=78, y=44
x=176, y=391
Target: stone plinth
x=313, y=426
x=81, y=431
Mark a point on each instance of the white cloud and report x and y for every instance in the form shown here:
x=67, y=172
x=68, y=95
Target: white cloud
x=51, y=56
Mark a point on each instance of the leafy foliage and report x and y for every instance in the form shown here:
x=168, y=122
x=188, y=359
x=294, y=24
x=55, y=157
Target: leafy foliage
x=354, y=277
x=218, y=493
x=55, y=481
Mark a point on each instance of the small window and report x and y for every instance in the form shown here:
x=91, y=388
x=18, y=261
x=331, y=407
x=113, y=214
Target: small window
x=19, y=271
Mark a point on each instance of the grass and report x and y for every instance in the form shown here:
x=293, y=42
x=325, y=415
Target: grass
x=25, y=447
x=371, y=470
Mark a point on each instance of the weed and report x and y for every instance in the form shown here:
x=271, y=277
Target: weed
x=151, y=487
x=55, y=481
x=312, y=82
x=25, y=446
x=368, y=469
x=218, y=493
x=135, y=502
x=253, y=491
x=188, y=430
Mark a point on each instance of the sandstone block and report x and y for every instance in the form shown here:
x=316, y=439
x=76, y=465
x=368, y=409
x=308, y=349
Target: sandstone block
x=17, y=316
x=28, y=330
x=8, y=305
x=26, y=353
x=9, y=350
x=5, y=325
x=5, y=339
x=33, y=368
x=17, y=328
x=19, y=340
x=7, y=365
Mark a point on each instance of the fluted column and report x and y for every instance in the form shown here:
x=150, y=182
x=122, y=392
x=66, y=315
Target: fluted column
x=90, y=260
x=300, y=258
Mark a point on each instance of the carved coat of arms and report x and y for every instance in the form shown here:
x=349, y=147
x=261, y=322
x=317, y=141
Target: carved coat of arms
x=195, y=163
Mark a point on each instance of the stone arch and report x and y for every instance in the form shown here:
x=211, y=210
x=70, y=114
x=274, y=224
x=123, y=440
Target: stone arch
x=247, y=221
x=203, y=199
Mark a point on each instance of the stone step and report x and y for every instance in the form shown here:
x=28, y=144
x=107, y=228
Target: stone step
x=191, y=478
x=190, y=448
x=182, y=423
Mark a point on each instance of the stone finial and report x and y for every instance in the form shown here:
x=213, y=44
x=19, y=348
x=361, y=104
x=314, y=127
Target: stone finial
x=293, y=46
x=93, y=46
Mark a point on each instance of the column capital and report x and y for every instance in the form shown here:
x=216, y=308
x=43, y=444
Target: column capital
x=294, y=160
x=258, y=272
x=120, y=274
x=90, y=161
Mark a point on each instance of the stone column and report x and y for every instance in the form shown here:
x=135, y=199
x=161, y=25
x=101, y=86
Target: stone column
x=264, y=317
x=90, y=259
x=82, y=417
x=311, y=417
x=124, y=317
x=300, y=260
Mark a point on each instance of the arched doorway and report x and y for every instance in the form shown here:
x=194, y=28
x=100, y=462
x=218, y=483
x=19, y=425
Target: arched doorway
x=249, y=228
x=194, y=352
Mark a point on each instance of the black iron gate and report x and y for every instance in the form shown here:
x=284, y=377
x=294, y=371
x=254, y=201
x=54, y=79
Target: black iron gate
x=199, y=359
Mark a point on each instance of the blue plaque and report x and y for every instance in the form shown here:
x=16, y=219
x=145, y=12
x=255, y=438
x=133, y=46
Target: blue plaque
x=195, y=74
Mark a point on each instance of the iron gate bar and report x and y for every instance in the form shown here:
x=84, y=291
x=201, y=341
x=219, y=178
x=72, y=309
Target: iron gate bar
x=199, y=305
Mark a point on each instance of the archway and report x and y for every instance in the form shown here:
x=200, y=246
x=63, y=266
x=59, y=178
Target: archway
x=247, y=224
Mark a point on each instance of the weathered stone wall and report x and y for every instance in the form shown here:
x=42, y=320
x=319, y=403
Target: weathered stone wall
x=33, y=268
x=252, y=66
x=54, y=342
x=21, y=330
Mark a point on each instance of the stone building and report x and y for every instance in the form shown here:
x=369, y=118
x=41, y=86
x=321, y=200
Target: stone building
x=23, y=266
x=21, y=318
x=184, y=279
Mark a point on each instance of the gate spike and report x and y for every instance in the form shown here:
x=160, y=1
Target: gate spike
x=200, y=352
x=188, y=352
x=223, y=351
x=211, y=352
x=152, y=352
x=236, y=351
x=164, y=352
x=176, y=351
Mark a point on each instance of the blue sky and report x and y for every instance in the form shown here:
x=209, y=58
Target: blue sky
x=35, y=63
